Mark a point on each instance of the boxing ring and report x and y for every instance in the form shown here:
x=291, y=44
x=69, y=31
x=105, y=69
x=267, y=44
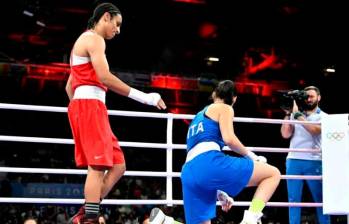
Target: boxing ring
x=169, y=174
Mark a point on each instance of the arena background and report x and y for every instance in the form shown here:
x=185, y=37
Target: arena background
x=165, y=46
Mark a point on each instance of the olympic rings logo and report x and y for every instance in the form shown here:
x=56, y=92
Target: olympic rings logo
x=335, y=135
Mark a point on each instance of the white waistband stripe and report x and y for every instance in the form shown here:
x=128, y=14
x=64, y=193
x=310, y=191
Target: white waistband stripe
x=201, y=148
x=89, y=92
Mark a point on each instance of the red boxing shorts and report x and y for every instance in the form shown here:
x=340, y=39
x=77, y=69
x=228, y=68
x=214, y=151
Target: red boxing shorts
x=95, y=143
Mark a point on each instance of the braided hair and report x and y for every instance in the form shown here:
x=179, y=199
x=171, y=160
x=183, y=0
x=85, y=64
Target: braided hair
x=99, y=12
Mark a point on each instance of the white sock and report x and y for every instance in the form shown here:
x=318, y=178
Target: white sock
x=251, y=216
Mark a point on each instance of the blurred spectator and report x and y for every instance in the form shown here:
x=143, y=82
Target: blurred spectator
x=62, y=217
x=102, y=219
x=30, y=220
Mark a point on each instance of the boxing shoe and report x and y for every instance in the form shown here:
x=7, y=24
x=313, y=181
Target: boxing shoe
x=252, y=218
x=225, y=200
x=158, y=217
x=77, y=218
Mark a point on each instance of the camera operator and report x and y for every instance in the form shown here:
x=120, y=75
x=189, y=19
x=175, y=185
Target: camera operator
x=304, y=163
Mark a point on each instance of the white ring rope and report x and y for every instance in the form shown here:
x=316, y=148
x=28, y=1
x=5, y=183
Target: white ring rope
x=149, y=114
x=130, y=173
x=145, y=202
x=141, y=144
x=169, y=146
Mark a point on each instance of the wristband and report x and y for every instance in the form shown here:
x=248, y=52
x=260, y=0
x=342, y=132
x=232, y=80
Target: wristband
x=252, y=155
x=146, y=98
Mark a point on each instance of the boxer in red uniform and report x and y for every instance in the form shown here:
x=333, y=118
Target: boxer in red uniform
x=96, y=147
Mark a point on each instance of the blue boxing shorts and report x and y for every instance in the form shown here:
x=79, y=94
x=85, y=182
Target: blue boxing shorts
x=204, y=175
